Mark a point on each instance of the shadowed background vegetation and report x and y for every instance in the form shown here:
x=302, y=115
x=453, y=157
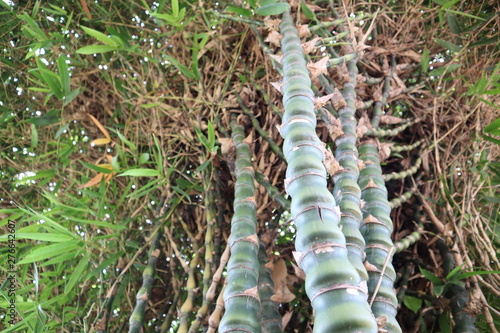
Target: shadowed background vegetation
x=117, y=121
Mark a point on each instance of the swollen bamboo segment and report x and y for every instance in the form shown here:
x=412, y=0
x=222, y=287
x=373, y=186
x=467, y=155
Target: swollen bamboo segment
x=334, y=286
x=377, y=229
x=241, y=297
x=346, y=189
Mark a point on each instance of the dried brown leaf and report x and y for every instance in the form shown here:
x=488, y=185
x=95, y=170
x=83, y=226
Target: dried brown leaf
x=338, y=100
x=332, y=166
x=274, y=38
x=278, y=86
x=299, y=272
x=286, y=318
x=277, y=58
x=319, y=102
x=319, y=67
x=370, y=267
x=310, y=45
x=279, y=274
x=371, y=184
x=272, y=24
x=390, y=120
x=227, y=146
x=385, y=150
x=303, y=30
x=334, y=127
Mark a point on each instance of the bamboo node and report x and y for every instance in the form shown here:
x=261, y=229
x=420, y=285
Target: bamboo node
x=349, y=288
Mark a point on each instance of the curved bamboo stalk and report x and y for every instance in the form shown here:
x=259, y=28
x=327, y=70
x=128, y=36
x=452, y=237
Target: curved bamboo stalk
x=187, y=306
x=405, y=173
x=346, y=189
x=398, y=201
x=209, y=247
x=402, y=148
x=409, y=240
x=241, y=297
x=137, y=318
x=378, y=132
x=332, y=283
x=377, y=229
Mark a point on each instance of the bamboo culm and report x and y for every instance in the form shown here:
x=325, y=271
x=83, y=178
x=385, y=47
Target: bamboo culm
x=241, y=298
x=332, y=283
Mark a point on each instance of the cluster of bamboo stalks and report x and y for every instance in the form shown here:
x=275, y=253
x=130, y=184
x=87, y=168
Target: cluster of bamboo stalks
x=343, y=240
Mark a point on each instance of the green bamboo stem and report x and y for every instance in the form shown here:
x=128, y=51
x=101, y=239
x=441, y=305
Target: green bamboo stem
x=270, y=316
x=377, y=108
x=342, y=59
x=377, y=132
x=211, y=214
x=334, y=39
x=346, y=189
x=166, y=325
x=405, y=173
x=266, y=48
x=403, y=281
x=255, y=123
x=332, y=283
x=377, y=228
x=403, y=148
x=266, y=96
x=409, y=240
x=363, y=105
x=398, y=201
x=272, y=191
x=137, y=318
x=187, y=306
x=457, y=294
x=241, y=297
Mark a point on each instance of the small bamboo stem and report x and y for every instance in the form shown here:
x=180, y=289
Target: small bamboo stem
x=346, y=189
x=377, y=108
x=398, y=201
x=409, y=240
x=241, y=298
x=457, y=294
x=270, y=316
x=377, y=132
x=272, y=191
x=137, y=318
x=403, y=148
x=187, y=306
x=403, y=174
x=211, y=214
x=214, y=320
x=255, y=123
x=266, y=97
x=377, y=229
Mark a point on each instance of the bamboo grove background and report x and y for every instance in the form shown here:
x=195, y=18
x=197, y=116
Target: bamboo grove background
x=250, y=166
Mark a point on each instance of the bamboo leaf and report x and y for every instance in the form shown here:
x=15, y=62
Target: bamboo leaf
x=412, y=303
x=448, y=45
x=64, y=74
x=42, y=236
x=96, y=168
x=46, y=251
x=141, y=173
x=76, y=274
x=238, y=10
x=273, y=9
x=91, y=49
x=431, y=277
x=100, y=36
